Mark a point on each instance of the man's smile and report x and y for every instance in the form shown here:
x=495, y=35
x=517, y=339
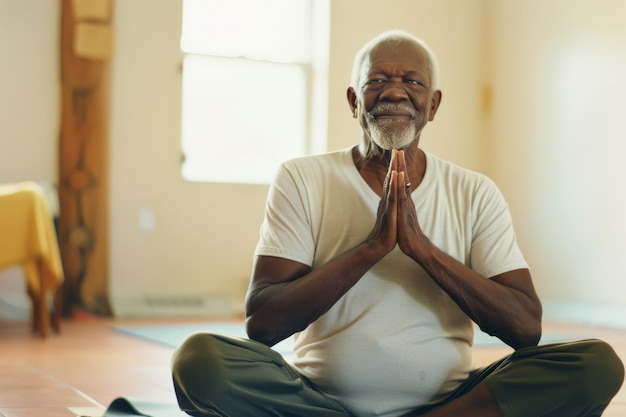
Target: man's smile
x=387, y=110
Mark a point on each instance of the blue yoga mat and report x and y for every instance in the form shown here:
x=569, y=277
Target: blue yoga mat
x=173, y=335
x=122, y=407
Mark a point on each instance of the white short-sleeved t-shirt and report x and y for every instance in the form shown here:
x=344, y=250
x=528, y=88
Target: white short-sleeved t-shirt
x=395, y=340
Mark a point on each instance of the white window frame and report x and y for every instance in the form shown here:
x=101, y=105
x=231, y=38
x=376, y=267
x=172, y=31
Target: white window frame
x=315, y=106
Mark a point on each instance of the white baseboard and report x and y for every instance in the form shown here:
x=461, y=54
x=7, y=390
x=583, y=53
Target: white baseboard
x=175, y=305
x=14, y=303
x=14, y=306
x=588, y=313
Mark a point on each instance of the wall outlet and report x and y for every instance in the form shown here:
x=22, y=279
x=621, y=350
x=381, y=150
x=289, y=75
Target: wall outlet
x=147, y=220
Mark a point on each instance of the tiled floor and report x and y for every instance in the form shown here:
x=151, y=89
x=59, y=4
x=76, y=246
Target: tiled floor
x=89, y=365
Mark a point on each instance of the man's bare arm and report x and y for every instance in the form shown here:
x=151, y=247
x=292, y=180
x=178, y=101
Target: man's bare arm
x=505, y=306
x=286, y=296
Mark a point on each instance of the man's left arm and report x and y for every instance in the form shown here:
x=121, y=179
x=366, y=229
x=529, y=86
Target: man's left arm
x=505, y=306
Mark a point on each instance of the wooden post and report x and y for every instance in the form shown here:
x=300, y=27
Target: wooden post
x=86, y=46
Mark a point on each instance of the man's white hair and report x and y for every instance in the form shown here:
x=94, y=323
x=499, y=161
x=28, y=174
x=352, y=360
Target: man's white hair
x=394, y=37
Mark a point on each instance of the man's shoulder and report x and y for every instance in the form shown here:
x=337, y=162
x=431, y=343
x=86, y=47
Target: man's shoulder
x=326, y=159
x=445, y=168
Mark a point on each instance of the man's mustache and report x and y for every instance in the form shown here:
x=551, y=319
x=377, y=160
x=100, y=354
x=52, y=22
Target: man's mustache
x=385, y=108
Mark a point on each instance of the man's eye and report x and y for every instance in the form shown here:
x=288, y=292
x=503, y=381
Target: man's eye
x=375, y=81
x=416, y=82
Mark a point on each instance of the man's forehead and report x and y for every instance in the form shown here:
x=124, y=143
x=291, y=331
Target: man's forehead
x=405, y=56
x=396, y=52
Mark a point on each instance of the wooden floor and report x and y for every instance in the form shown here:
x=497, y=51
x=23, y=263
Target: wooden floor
x=89, y=365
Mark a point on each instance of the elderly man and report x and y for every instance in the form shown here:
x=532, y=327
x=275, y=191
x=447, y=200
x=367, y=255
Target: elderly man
x=379, y=259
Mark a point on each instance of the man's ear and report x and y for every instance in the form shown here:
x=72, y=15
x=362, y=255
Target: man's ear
x=434, y=104
x=352, y=100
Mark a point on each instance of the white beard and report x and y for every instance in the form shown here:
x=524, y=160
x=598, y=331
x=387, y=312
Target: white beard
x=389, y=137
x=388, y=140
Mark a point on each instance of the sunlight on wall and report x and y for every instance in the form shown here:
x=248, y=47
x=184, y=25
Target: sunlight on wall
x=582, y=192
x=558, y=140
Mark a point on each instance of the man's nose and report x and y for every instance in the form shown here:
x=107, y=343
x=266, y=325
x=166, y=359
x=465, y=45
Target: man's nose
x=394, y=91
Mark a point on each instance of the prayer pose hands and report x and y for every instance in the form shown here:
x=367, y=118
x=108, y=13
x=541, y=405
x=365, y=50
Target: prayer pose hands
x=396, y=220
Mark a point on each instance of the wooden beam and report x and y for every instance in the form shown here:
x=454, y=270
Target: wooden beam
x=86, y=46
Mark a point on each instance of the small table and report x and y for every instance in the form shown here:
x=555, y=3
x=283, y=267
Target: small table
x=28, y=239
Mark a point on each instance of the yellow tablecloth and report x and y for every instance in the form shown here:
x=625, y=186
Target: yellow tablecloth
x=27, y=235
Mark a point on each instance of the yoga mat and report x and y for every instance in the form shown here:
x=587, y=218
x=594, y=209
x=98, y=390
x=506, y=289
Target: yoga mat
x=173, y=335
x=125, y=407
x=138, y=407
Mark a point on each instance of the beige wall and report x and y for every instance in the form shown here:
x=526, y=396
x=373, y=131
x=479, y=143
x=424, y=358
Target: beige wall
x=29, y=88
x=552, y=140
x=29, y=112
x=558, y=140
x=456, y=132
x=205, y=233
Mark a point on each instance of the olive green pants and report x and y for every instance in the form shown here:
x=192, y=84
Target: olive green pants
x=216, y=375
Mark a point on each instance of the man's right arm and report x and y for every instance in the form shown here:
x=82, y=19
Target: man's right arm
x=285, y=296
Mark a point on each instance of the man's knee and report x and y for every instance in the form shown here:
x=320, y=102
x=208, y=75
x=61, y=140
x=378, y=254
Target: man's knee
x=602, y=371
x=197, y=362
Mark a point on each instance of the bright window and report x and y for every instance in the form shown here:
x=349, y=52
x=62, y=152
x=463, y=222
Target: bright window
x=252, y=73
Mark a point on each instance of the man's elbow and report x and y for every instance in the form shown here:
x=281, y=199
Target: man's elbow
x=529, y=339
x=260, y=333
x=530, y=333
x=527, y=336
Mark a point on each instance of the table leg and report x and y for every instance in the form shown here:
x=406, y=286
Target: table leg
x=58, y=310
